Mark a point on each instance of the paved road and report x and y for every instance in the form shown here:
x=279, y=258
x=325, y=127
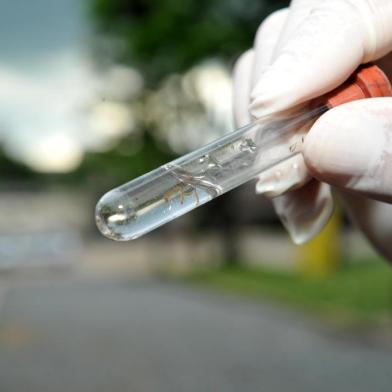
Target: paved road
x=118, y=337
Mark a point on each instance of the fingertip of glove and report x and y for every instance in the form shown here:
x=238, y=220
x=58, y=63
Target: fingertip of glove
x=284, y=177
x=305, y=212
x=271, y=93
x=347, y=146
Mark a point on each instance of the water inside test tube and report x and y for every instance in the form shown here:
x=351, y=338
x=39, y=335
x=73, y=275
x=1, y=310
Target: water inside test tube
x=174, y=189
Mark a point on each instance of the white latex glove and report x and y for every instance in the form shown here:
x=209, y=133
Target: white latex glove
x=301, y=53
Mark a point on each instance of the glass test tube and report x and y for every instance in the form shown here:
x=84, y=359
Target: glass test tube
x=174, y=189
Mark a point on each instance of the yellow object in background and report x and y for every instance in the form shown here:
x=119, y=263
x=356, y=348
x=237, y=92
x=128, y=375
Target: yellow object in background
x=321, y=256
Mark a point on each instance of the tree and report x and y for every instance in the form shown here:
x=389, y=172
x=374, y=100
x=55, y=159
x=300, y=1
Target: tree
x=168, y=36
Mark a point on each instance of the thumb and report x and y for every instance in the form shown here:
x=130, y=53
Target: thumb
x=351, y=147
x=322, y=51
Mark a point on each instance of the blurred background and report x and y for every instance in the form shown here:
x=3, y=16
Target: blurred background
x=94, y=93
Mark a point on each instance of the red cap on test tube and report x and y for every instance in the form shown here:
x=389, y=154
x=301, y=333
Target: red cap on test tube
x=369, y=81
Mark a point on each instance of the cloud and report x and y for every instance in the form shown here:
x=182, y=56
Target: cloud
x=53, y=113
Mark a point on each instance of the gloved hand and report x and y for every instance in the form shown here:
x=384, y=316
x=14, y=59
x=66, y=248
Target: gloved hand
x=301, y=53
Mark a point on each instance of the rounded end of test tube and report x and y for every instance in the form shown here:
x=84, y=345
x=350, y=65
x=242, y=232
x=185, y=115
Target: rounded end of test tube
x=369, y=81
x=112, y=216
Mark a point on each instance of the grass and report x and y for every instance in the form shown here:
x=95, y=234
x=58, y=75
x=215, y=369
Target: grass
x=357, y=293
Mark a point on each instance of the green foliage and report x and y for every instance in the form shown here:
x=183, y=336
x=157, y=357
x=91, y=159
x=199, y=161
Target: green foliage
x=360, y=292
x=12, y=170
x=117, y=166
x=167, y=36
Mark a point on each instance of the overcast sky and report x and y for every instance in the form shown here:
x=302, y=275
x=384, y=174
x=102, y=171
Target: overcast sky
x=30, y=29
x=45, y=79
